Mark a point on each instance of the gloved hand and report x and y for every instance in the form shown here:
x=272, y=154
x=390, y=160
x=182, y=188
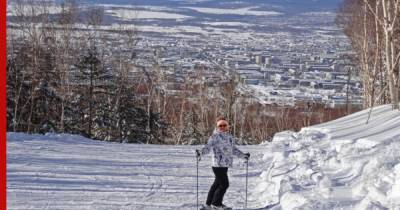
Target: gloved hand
x=247, y=156
x=198, y=154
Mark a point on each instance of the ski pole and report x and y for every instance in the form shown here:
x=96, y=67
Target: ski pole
x=247, y=170
x=197, y=179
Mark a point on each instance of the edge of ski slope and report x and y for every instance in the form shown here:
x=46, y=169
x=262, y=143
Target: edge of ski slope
x=342, y=164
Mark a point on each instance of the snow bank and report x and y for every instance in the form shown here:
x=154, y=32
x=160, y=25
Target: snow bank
x=342, y=164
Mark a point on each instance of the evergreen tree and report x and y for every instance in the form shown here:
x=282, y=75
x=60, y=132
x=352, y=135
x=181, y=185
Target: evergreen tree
x=130, y=119
x=92, y=88
x=32, y=100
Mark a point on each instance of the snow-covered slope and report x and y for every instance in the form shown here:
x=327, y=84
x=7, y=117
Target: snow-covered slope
x=343, y=164
x=60, y=171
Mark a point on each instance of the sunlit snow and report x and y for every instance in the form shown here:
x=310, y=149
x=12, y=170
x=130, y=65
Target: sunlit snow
x=237, y=11
x=128, y=14
x=344, y=164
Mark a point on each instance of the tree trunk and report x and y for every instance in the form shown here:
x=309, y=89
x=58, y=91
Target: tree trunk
x=389, y=50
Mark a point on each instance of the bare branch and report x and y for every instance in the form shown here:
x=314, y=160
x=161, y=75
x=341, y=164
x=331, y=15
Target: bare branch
x=396, y=13
x=373, y=12
x=397, y=61
x=376, y=100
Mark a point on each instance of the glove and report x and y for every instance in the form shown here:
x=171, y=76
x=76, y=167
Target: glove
x=246, y=156
x=198, y=154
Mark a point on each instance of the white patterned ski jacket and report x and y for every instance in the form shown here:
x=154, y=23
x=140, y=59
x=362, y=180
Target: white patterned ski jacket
x=223, y=147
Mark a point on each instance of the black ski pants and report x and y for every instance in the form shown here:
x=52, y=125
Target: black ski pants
x=219, y=187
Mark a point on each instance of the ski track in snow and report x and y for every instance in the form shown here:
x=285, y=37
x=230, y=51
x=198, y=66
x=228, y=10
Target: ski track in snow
x=71, y=172
x=343, y=164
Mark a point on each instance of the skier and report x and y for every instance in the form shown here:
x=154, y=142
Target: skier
x=223, y=146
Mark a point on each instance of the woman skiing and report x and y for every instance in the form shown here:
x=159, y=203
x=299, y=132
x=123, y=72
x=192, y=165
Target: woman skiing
x=223, y=146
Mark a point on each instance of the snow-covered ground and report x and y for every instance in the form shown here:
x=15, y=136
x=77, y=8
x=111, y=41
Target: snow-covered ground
x=128, y=14
x=227, y=24
x=72, y=172
x=343, y=164
x=238, y=11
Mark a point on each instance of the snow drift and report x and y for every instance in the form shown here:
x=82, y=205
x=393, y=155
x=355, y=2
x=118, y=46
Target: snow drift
x=342, y=164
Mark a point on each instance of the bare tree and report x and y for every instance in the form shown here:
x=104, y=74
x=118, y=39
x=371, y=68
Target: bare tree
x=375, y=44
x=65, y=53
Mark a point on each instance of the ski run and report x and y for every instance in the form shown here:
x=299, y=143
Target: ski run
x=343, y=164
